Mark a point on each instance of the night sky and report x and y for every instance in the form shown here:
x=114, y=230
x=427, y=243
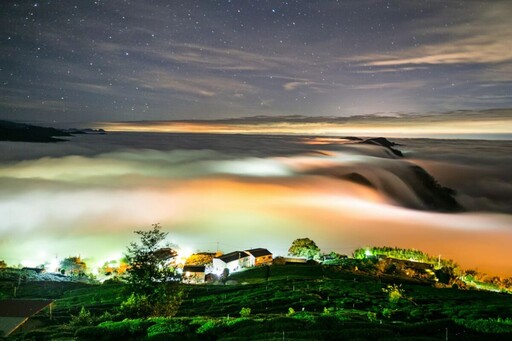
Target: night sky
x=82, y=61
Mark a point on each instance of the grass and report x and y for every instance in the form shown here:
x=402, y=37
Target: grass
x=328, y=303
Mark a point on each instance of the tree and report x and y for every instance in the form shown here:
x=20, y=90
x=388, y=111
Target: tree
x=73, y=266
x=200, y=259
x=304, y=247
x=224, y=276
x=114, y=268
x=3, y=264
x=152, y=276
x=395, y=293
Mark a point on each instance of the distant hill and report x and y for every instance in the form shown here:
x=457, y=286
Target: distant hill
x=20, y=132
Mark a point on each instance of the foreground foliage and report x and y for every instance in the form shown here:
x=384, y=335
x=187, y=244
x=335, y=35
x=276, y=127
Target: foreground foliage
x=151, y=276
x=298, y=301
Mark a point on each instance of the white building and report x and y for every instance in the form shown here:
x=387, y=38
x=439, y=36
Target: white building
x=232, y=261
x=237, y=260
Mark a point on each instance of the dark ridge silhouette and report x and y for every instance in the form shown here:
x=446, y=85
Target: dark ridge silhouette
x=435, y=196
x=11, y=131
x=383, y=142
x=358, y=179
x=20, y=132
x=430, y=194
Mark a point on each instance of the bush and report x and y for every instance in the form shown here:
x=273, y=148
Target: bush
x=395, y=293
x=371, y=316
x=237, y=321
x=304, y=316
x=167, y=327
x=245, y=312
x=488, y=325
x=90, y=333
x=83, y=318
x=207, y=327
x=136, y=306
x=125, y=329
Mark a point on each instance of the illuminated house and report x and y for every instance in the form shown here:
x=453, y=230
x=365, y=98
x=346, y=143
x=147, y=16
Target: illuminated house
x=232, y=261
x=260, y=256
x=194, y=274
x=237, y=260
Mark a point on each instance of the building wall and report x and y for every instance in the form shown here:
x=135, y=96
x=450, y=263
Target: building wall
x=193, y=277
x=218, y=266
x=263, y=260
x=239, y=264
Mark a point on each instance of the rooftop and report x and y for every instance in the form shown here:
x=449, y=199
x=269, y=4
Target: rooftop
x=194, y=268
x=259, y=252
x=229, y=257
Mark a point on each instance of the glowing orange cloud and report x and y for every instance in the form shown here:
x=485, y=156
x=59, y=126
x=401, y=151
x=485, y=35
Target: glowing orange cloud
x=414, y=125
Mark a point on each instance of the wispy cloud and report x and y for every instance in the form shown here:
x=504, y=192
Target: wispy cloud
x=481, y=39
x=397, y=124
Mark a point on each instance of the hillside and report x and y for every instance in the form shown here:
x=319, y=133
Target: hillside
x=20, y=132
x=297, y=302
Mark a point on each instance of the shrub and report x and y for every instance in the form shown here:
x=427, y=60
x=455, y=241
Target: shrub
x=371, y=316
x=237, y=321
x=387, y=313
x=106, y=316
x=291, y=311
x=136, y=306
x=488, y=325
x=245, y=312
x=83, y=318
x=92, y=333
x=125, y=329
x=305, y=316
x=207, y=327
x=395, y=293
x=167, y=327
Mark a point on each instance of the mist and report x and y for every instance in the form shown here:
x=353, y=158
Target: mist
x=86, y=196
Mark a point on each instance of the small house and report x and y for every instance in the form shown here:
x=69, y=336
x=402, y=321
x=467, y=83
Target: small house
x=260, y=256
x=233, y=261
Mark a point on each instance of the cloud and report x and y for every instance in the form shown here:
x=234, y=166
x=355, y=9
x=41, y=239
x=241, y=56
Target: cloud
x=91, y=204
x=454, y=123
x=193, y=84
x=483, y=38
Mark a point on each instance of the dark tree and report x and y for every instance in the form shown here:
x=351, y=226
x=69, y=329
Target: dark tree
x=304, y=247
x=224, y=276
x=73, y=266
x=152, y=276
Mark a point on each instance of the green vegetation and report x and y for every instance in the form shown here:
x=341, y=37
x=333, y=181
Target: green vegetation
x=304, y=247
x=404, y=254
x=74, y=266
x=395, y=293
x=152, y=277
x=367, y=297
x=245, y=312
x=301, y=301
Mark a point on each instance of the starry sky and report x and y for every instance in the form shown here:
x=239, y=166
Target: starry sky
x=65, y=62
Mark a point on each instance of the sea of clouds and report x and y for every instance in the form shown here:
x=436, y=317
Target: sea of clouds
x=86, y=196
